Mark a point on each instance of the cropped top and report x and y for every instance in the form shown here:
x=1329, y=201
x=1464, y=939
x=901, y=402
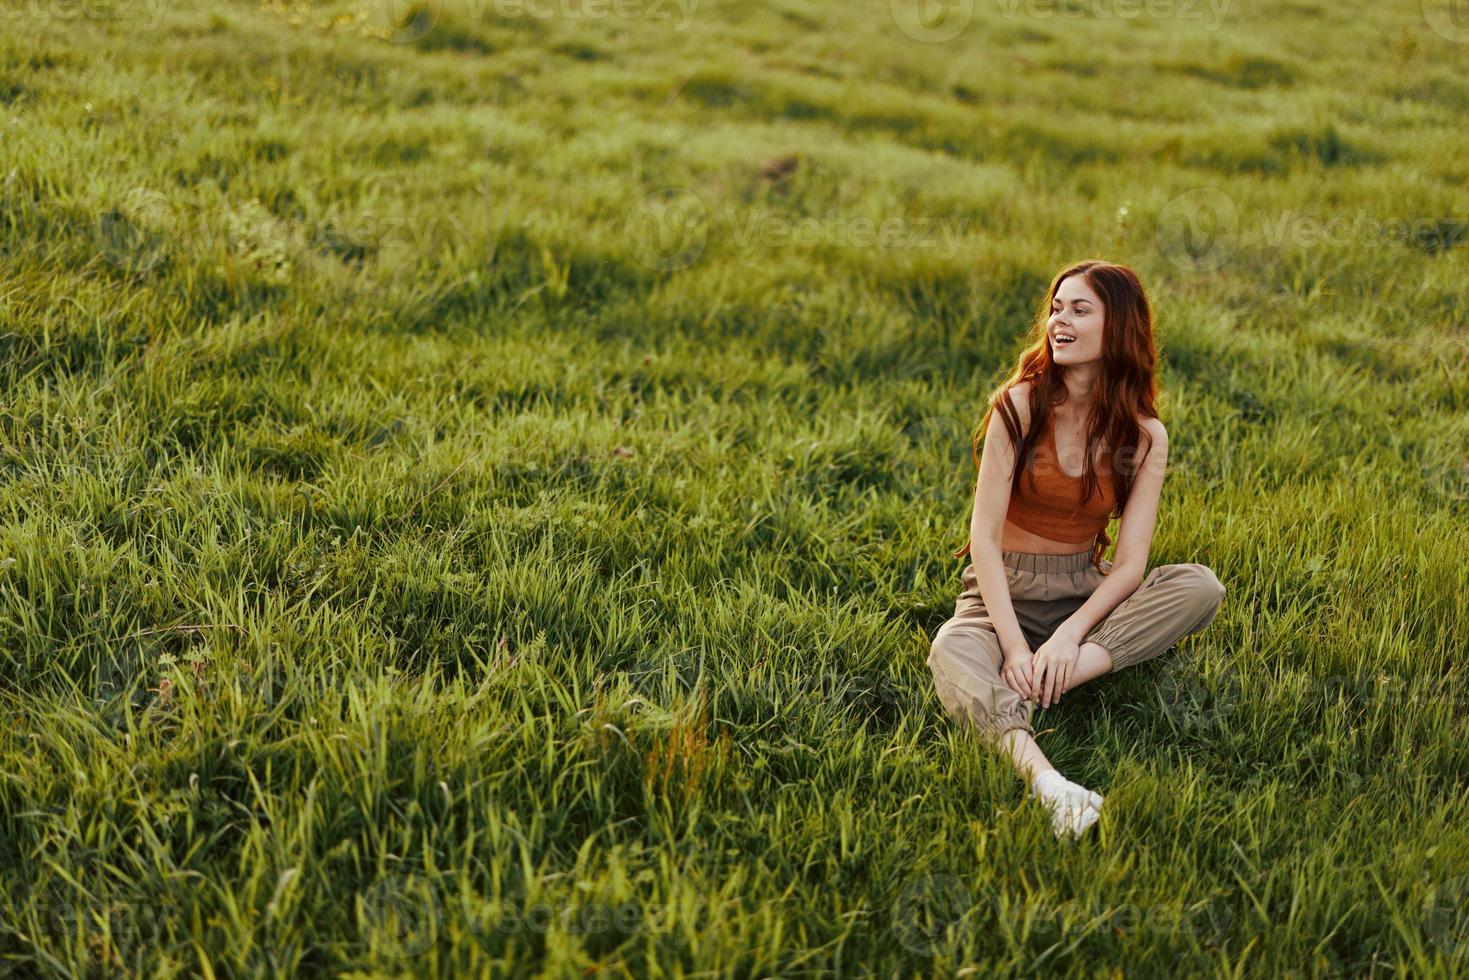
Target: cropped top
x=1048, y=501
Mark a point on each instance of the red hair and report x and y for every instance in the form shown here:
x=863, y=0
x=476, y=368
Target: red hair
x=1126, y=387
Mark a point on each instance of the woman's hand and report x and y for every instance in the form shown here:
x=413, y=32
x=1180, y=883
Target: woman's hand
x=1017, y=674
x=1053, y=665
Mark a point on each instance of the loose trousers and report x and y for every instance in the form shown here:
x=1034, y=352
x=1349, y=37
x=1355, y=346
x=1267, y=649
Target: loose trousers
x=1172, y=602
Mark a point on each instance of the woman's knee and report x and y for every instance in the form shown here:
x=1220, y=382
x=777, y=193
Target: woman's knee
x=989, y=709
x=1203, y=588
x=1197, y=580
x=966, y=677
x=963, y=644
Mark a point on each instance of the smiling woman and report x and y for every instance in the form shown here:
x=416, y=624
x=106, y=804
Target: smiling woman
x=1079, y=407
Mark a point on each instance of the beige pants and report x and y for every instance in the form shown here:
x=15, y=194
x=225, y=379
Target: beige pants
x=1172, y=602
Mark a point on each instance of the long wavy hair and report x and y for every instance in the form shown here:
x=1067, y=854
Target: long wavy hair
x=1126, y=387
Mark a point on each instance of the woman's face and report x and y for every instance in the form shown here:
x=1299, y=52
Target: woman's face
x=1077, y=313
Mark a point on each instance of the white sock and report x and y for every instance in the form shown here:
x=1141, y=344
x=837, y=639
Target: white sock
x=1074, y=808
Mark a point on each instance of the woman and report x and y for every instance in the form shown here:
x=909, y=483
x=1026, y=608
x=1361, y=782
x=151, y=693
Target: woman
x=1041, y=612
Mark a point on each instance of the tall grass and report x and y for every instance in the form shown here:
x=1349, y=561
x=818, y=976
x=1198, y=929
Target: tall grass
x=480, y=487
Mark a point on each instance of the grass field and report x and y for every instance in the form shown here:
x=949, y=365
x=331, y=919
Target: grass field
x=481, y=480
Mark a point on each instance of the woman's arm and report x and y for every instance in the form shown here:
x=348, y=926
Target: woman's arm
x=987, y=524
x=1134, y=539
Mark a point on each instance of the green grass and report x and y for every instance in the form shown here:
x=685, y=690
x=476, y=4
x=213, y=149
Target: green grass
x=539, y=515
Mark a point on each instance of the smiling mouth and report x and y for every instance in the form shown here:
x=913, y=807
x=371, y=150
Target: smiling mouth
x=1061, y=340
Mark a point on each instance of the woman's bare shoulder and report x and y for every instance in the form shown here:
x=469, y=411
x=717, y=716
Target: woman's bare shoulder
x=1157, y=434
x=1019, y=395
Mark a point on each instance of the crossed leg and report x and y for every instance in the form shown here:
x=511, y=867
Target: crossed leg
x=1173, y=601
x=1092, y=661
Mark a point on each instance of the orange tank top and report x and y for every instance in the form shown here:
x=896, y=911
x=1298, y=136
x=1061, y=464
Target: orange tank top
x=1053, y=507
x=1048, y=502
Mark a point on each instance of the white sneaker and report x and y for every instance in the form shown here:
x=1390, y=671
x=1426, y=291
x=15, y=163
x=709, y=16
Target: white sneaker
x=1074, y=808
